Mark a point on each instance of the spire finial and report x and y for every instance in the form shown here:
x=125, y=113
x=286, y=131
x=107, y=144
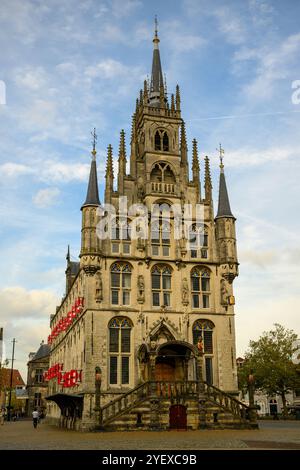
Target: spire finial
x=156, y=39
x=221, y=156
x=94, y=135
x=68, y=254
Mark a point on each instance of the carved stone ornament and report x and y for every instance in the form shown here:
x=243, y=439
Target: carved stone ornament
x=185, y=291
x=224, y=293
x=141, y=289
x=99, y=287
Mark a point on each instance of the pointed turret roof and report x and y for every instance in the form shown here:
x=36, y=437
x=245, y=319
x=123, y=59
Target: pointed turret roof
x=223, y=206
x=92, y=196
x=157, y=81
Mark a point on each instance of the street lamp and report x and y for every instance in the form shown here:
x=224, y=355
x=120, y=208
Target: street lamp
x=252, y=406
x=98, y=380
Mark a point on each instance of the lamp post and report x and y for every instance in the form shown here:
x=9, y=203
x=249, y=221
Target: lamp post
x=252, y=406
x=201, y=387
x=98, y=379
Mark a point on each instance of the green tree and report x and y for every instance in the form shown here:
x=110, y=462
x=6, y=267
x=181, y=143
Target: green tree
x=270, y=360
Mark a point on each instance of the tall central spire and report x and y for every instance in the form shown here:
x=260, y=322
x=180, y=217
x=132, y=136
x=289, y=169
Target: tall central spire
x=157, y=81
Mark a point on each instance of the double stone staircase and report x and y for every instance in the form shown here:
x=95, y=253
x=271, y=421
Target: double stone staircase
x=148, y=406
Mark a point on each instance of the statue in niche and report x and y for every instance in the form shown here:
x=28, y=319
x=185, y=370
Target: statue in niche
x=185, y=291
x=140, y=189
x=99, y=287
x=141, y=288
x=224, y=293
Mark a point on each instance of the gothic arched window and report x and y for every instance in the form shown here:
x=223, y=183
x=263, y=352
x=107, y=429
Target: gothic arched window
x=157, y=142
x=203, y=329
x=161, y=276
x=120, y=283
x=165, y=142
x=119, y=350
x=200, y=282
x=198, y=241
x=161, y=141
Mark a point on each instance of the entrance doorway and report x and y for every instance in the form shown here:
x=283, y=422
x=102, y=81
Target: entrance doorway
x=178, y=417
x=165, y=369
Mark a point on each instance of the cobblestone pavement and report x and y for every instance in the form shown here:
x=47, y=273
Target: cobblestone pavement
x=271, y=435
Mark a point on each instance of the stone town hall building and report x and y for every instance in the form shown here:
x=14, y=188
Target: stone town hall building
x=145, y=335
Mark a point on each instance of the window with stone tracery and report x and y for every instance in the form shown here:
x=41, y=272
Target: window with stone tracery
x=201, y=289
x=161, y=276
x=120, y=275
x=119, y=350
x=198, y=241
x=203, y=329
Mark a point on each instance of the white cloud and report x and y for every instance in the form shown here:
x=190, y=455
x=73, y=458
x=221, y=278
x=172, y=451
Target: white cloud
x=48, y=171
x=253, y=157
x=13, y=170
x=32, y=78
x=46, y=197
x=274, y=62
x=107, y=69
x=18, y=303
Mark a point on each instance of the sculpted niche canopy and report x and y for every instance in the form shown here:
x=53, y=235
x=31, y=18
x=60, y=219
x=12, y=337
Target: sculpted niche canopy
x=145, y=336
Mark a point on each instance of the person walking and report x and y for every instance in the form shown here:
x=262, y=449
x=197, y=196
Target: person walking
x=35, y=417
x=2, y=417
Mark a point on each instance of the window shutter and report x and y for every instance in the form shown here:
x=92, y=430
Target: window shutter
x=125, y=370
x=113, y=374
x=125, y=340
x=208, y=344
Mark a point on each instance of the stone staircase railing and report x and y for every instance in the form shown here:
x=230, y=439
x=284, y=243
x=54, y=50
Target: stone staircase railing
x=125, y=402
x=172, y=390
x=227, y=402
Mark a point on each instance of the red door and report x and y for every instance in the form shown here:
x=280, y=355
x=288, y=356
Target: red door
x=178, y=418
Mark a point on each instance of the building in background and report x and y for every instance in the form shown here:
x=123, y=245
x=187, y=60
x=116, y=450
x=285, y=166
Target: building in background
x=12, y=379
x=37, y=387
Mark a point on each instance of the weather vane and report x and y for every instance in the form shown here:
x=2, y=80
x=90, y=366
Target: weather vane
x=94, y=135
x=221, y=155
x=156, y=24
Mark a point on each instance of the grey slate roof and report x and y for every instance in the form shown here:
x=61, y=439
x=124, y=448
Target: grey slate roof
x=224, y=206
x=74, y=267
x=92, y=197
x=156, y=75
x=43, y=351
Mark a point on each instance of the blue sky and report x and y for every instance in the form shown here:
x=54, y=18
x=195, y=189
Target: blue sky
x=74, y=65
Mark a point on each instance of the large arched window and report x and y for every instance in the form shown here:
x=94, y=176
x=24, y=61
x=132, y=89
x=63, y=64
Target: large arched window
x=120, y=283
x=200, y=282
x=198, y=241
x=119, y=350
x=203, y=329
x=161, y=276
x=161, y=141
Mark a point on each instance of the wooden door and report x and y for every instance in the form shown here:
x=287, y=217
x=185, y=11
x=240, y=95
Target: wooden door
x=178, y=417
x=165, y=372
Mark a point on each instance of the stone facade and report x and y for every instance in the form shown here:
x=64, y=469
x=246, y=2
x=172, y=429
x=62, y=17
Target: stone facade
x=152, y=309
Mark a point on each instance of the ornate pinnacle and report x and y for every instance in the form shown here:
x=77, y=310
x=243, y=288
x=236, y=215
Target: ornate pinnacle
x=122, y=147
x=207, y=180
x=177, y=98
x=145, y=92
x=109, y=162
x=172, y=103
x=195, y=163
